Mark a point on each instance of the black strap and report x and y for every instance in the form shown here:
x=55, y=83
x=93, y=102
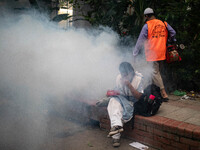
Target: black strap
x=165, y=26
x=167, y=31
x=170, y=41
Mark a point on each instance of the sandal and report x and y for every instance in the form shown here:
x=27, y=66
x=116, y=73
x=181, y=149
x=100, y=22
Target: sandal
x=165, y=99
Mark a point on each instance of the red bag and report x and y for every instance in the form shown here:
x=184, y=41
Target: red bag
x=172, y=54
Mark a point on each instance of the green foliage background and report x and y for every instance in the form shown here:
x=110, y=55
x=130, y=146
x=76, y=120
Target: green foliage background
x=182, y=15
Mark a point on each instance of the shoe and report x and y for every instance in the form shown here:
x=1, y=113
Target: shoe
x=116, y=129
x=108, y=136
x=116, y=142
x=165, y=99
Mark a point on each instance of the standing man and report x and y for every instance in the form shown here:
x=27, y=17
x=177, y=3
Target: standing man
x=154, y=38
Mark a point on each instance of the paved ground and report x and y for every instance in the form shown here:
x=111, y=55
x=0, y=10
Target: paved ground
x=73, y=136
x=23, y=129
x=185, y=110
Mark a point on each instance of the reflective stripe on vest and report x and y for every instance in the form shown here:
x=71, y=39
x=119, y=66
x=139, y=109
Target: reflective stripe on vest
x=155, y=46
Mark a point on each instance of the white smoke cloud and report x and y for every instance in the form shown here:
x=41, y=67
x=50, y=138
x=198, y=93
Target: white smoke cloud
x=39, y=56
x=40, y=61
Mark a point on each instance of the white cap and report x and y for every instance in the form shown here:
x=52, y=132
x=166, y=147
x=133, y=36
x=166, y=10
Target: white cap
x=148, y=11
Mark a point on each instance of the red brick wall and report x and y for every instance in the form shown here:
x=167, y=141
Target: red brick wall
x=156, y=131
x=161, y=133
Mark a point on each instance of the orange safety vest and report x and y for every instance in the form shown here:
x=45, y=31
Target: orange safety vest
x=155, y=46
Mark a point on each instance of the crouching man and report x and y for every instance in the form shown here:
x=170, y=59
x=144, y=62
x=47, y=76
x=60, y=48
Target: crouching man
x=120, y=107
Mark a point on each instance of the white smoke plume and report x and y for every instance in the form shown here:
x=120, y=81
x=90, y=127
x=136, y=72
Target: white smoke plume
x=40, y=61
x=38, y=56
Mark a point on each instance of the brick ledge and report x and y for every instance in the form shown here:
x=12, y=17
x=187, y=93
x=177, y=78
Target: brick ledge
x=156, y=131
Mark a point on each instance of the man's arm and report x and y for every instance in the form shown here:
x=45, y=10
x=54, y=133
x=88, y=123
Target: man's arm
x=172, y=33
x=135, y=93
x=142, y=37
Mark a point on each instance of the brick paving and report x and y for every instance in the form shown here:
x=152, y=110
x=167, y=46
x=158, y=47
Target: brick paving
x=187, y=111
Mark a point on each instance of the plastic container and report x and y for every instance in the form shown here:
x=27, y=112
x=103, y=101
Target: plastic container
x=151, y=99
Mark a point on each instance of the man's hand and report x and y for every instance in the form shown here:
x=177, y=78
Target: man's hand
x=125, y=82
x=135, y=93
